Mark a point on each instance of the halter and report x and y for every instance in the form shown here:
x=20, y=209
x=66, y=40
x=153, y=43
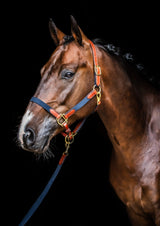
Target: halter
x=62, y=118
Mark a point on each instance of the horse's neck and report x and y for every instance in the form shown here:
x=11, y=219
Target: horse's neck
x=120, y=109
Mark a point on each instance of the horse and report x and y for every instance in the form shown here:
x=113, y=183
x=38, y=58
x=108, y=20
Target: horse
x=85, y=74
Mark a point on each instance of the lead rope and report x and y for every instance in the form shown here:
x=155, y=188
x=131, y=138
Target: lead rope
x=69, y=139
x=47, y=187
x=45, y=191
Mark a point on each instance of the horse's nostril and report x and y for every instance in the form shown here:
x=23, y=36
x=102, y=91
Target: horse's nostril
x=29, y=137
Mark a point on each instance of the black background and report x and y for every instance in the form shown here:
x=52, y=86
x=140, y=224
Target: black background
x=81, y=195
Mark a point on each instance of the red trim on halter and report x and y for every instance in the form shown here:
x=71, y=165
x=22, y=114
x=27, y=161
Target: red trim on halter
x=70, y=113
x=67, y=128
x=54, y=113
x=97, y=68
x=92, y=94
x=98, y=80
x=94, y=53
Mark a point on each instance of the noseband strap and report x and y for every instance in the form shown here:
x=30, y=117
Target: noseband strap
x=62, y=118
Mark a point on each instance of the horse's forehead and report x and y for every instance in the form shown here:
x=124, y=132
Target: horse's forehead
x=64, y=55
x=56, y=55
x=67, y=54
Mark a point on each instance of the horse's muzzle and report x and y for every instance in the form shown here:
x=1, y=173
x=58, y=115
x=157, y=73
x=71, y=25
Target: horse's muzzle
x=35, y=133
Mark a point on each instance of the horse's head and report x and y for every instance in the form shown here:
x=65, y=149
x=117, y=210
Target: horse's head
x=66, y=78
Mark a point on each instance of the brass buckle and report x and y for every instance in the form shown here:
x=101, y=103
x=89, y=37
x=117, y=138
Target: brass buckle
x=97, y=70
x=61, y=120
x=98, y=93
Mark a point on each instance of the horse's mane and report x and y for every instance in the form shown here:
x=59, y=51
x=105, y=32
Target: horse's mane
x=127, y=58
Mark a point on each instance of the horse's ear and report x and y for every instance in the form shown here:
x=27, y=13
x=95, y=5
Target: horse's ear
x=77, y=33
x=56, y=34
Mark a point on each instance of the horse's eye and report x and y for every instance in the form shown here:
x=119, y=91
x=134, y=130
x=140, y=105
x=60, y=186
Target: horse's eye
x=67, y=74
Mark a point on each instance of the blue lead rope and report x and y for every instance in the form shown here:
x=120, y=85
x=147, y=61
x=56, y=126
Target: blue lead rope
x=44, y=192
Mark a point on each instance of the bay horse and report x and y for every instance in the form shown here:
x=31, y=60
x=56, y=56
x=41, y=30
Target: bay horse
x=129, y=110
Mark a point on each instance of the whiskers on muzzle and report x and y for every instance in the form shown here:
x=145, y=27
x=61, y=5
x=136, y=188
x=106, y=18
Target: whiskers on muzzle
x=49, y=153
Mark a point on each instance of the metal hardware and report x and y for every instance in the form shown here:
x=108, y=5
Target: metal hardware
x=69, y=139
x=97, y=70
x=61, y=120
x=98, y=94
